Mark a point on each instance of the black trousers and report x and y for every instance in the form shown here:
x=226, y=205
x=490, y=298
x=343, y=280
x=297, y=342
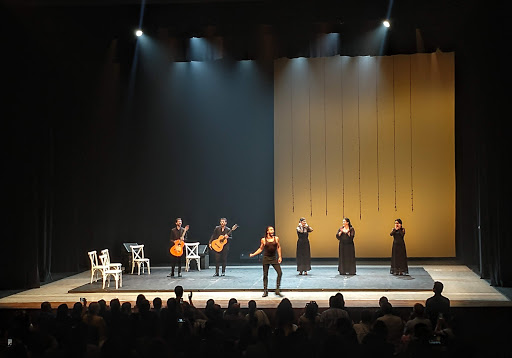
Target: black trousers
x=175, y=260
x=221, y=259
x=277, y=267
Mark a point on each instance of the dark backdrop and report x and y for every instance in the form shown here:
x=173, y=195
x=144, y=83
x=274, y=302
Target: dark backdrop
x=107, y=141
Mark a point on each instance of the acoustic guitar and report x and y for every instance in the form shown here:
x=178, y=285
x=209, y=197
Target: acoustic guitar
x=179, y=245
x=218, y=244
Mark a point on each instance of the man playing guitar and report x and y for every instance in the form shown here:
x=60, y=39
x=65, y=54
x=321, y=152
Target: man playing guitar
x=178, y=238
x=222, y=256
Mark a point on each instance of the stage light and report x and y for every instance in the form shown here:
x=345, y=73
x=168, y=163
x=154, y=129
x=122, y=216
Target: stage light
x=138, y=33
x=386, y=23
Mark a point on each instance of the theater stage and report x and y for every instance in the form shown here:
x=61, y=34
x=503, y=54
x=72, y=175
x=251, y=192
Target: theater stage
x=462, y=286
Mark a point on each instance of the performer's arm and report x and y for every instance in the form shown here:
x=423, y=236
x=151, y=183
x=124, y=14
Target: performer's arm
x=280, y=258
x=310, y=229
x=352, y=233
x=260, y=249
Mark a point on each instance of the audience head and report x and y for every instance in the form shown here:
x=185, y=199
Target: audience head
x=62, y=311
x=178, y=291
x=115, y=305
x=339, y=301
x=171, y=304
x=231, y=302
x=46, y=306
x=210, y=303
x=157, y=303
x=438, y=287
x=380, y=329
x=387, y=308
x=418, y=310
x=311, y=310
x=140, y=298
x=284, y=312
x=383, y=300
x=126, y=308
x=94, y=309
x=144, y=306
x=77, y=310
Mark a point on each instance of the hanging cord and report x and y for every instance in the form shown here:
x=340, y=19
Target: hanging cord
x=394, y=129
x=359, y=136
x=342, y=134
x=410, y=120
x=325, y=143
x=377, y=120
x=310, y=165
x=291, y=126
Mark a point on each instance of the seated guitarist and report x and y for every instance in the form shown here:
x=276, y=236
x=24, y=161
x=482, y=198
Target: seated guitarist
x=221, y=257
x=176, y=234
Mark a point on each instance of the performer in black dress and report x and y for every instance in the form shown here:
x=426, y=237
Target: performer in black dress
x=398, y=253
x=303, y=249
x=221, y=258
x=347, y=252
x=270, y=246
x=176, y=233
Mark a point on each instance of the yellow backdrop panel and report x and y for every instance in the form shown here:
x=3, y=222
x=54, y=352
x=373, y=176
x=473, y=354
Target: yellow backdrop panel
x=369, y=138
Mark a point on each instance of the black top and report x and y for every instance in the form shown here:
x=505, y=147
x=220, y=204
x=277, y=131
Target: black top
x=270, y=248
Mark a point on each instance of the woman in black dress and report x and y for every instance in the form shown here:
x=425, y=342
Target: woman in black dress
x=270, y=247
x=347, y=252
x=303, y=250
x=398, y=253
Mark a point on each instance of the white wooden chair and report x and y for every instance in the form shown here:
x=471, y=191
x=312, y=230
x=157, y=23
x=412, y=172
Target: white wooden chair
x=110, y=265
x=192, y=253
x=95, y=267
x=109, y=270
x=139, y=259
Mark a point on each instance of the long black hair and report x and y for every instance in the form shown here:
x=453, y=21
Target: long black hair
x=348, y=220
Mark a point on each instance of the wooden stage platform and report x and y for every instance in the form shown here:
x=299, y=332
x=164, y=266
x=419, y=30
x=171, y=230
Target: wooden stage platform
x=462, y=286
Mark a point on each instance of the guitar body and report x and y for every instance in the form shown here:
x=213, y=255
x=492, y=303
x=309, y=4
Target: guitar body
x=178, y=248
x=219, y=243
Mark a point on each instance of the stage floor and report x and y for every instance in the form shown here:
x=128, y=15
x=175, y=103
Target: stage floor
x=462, y=286
x=244, y=278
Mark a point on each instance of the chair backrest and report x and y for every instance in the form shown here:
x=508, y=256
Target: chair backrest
x=104, y=260
x=192, y=249
x=137, y=252
x=93, y=256
x=106, y=253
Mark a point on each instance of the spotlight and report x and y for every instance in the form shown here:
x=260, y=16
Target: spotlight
x=138, y=33
x=386, y=23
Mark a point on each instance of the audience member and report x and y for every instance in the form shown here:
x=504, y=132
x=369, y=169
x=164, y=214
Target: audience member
x=364, y=326
x=394, y=325
x=437, y=304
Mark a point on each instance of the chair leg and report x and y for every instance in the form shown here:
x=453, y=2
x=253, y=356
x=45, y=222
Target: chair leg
x=198, y=264
x=138, y=266
x=133, y=266
x=149, y=269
